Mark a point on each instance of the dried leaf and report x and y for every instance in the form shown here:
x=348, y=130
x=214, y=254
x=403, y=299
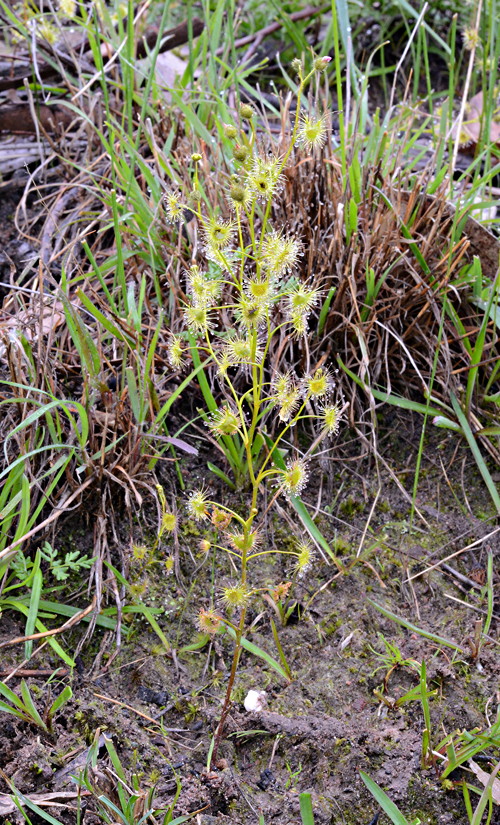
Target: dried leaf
x=181, y=445
x=43, y=800
x=32, y=324
x=485, y=777
x=168, y=69
x=471, y=125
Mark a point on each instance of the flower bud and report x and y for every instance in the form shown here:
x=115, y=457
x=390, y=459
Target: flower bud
x=195, y=157
x=246, y=111
x=238, y=193
x=168, y=522
x=321, y=63
x=230, y=131
x=297, y=65
x=240, y=153
x=194, y=197
x=208, y=622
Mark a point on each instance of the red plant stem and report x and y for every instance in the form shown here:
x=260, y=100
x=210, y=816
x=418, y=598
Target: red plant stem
x=227, y=699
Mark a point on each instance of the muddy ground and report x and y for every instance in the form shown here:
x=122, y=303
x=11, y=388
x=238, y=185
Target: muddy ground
x=317, y=732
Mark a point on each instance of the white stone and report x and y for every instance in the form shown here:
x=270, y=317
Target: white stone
x=255, y=700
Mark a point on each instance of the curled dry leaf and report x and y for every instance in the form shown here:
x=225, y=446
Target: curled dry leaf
x=485, y=778
x=30, y=324
x=43, y=800
x=470, y=128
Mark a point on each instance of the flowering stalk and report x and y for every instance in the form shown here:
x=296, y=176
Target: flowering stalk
x=251, y=281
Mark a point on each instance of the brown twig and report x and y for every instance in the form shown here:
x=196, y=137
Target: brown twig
x=26, y=672
x=53, y=516
x=310, y=11
x=42, y=635
x=453, y=555
x=128, y=707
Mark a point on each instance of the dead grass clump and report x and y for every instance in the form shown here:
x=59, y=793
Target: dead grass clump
x=398, y=298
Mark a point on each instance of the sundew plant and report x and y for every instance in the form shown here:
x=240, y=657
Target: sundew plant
x=234, y=312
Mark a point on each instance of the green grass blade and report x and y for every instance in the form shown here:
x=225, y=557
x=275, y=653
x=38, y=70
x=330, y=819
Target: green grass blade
x=306, y=809
x=27, y=803
x=66, y=406
x=261, y=654
x=69, y=611
x=314, y=531
x=477, y=352
x=11, y=697
x=4, y=708
x=24, y=512
x=120, y=815
x=17, y=604
x=120, y=278
x=115, y=759
x=97, y=272
x=113, y=330
x=485, y=798
x=87, y=350
x=383, y=800
x=57, y=470
x=433, y=637
x=176, y=394
x=30, y=706
x=447, y=424
x=404, y=4
x=389, y=398
x=406, y=233
x=142, y=608
x=23, y=458
x=300, y=507
x=481, y=464
x=281, y=652
x=64, y=696
x=220, y=474
x=325, y=309
x=489, y=593
x=36, y=592
x=135, y=396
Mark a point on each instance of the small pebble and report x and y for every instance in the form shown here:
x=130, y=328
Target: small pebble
x=255, y=700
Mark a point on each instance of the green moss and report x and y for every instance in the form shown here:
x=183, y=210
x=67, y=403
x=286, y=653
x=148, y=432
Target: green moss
x=154, y=777
x=340, y=546
x=342, y=748
x=350, y=506
x=330, y=624
x=239, y=693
